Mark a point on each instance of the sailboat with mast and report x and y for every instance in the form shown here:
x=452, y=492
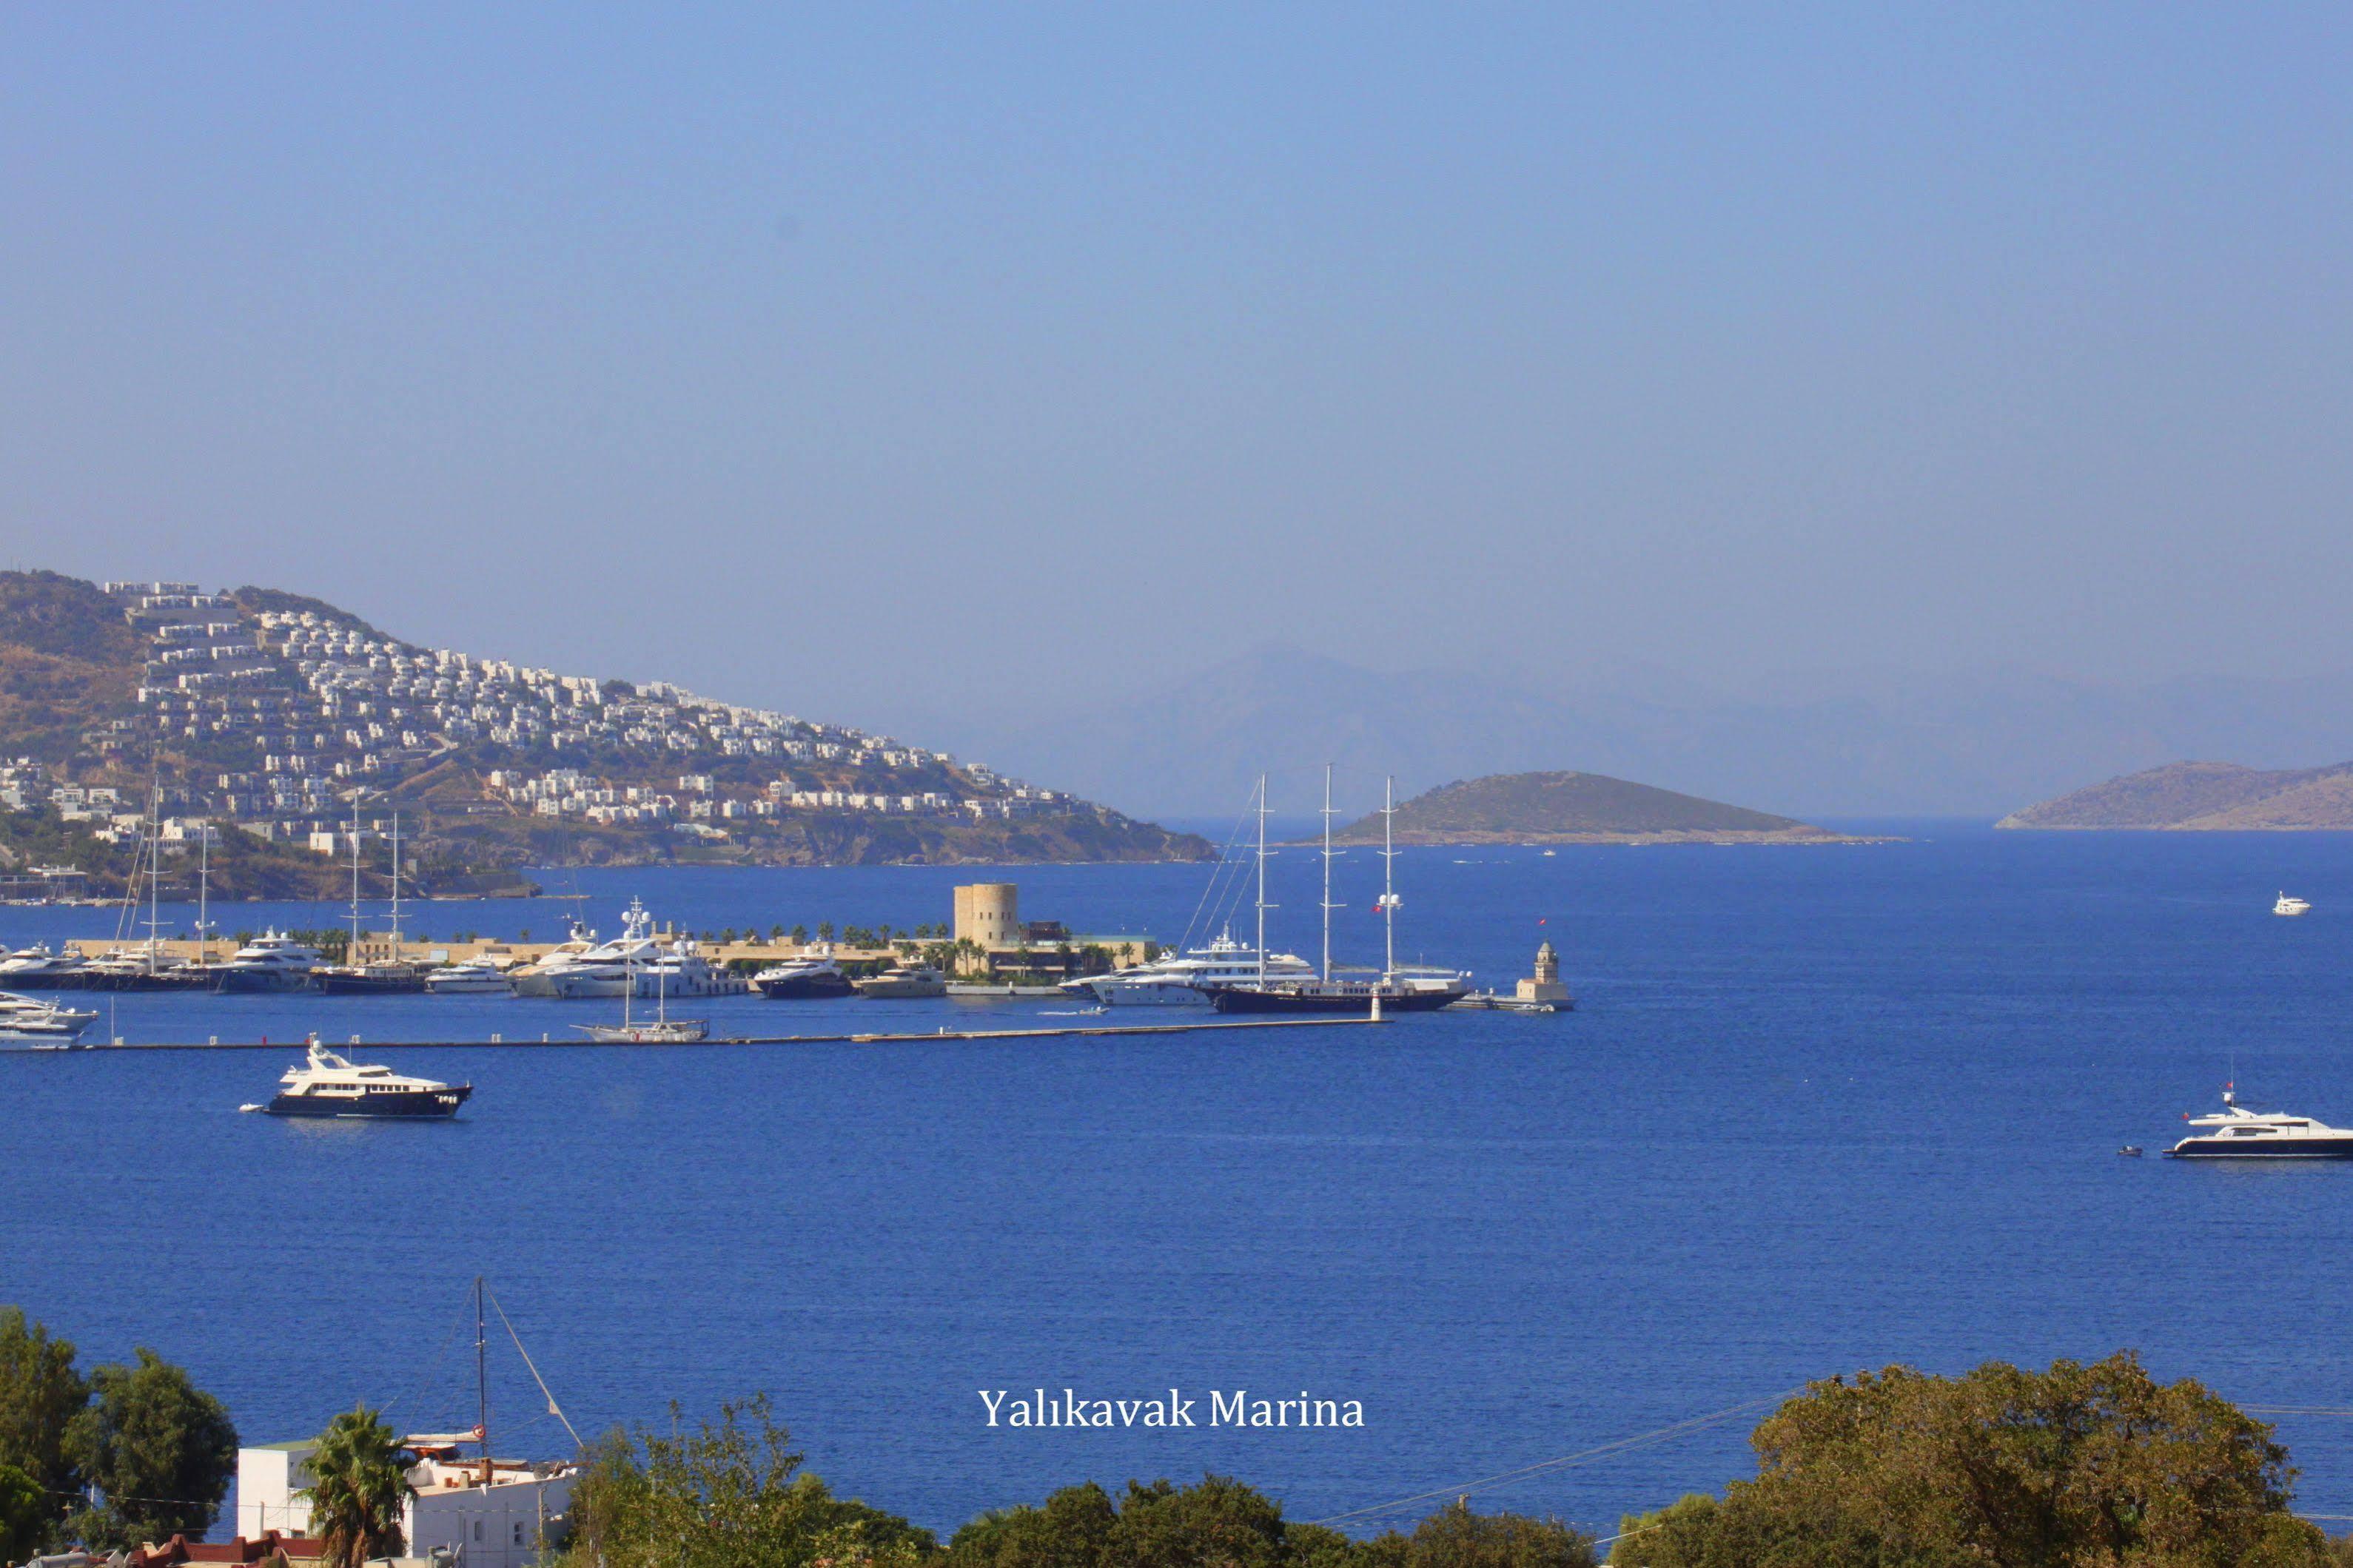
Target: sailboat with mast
x=392, y=977
x=143, y=967
x=1394, y=988
x=661, y=1030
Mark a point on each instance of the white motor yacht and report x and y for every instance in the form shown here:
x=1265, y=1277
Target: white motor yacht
x=39, y=968
x=803, y=979
x=2290, y=906
x=271, y=961
x=905, y=980
x=30, y=1021
x=1179, y=980
x=470, y=977
x=540, y=977
x=2234, y=1133
x=325, y=1085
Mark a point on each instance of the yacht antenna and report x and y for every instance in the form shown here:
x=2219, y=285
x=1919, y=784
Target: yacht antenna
x=1262, y=878
x=1327, y=873
x=482, y=1381
x=1389, y=901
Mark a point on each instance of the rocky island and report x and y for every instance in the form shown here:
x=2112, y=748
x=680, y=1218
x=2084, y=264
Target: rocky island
x=2204, y=797
x=1577, y=808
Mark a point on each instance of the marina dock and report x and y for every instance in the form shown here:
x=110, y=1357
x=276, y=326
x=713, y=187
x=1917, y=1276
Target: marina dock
x=861, y=1037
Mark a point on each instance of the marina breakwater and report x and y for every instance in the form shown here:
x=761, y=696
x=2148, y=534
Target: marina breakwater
x=548, y=1041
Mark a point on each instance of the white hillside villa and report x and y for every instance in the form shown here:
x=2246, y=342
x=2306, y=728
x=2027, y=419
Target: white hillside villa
x=453, y=1514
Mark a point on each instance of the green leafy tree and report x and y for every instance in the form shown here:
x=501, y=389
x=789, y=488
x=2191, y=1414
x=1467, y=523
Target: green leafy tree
x=40, y=1394
x=159, y=1450
x=825, y=931
x=2089, y=1465
x=1218, y=1523
x=800, y=935
x=726, y=1494
x=27, y=1514
x=358, y=1489
x=1454, y=1536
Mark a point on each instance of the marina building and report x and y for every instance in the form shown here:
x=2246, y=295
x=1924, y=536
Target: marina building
x=494, y=1521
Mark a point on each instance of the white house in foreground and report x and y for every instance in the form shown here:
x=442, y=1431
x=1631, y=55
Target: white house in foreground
x=475, y=1525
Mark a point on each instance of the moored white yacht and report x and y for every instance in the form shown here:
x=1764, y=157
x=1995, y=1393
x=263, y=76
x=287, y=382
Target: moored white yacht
x=1179, y=980
x=271, y=961
x=905, y=980
x=802, y=979
x=2286, y=905
x=325, y=1085
x=2234, y=1133
x=30, y=1021
x=38, y=968
x=477, y=976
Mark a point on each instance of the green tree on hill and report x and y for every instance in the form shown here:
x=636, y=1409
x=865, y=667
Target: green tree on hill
x=2092, y=1465
x=159, y=1450
x=27, y=1513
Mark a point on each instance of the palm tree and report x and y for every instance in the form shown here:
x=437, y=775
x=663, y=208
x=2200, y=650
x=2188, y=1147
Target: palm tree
x=357, y=1491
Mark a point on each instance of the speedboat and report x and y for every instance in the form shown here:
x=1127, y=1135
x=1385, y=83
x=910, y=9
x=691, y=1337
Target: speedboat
x=325, y=1085
x=477, y=977
x=2234, y=1133
x=30, y=1021
x=803, y=979
x=905, y=980
x=1181, y=980
x=271, y=961
x=2290, y=906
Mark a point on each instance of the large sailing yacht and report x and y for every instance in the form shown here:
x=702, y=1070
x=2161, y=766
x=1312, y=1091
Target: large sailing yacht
x=1338, y=988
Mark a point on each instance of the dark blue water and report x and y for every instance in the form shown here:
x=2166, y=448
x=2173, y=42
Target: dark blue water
x=1818, y=1109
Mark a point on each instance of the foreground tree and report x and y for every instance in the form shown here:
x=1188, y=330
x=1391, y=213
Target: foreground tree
x=359, y=1489
x=27, y=1515
x=159, y=1450
x=726, y=1495
x=2079, y=1467
x=40, y=1394
x=1221, y=1523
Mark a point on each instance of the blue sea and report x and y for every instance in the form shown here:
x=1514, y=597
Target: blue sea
x=1818, y=1108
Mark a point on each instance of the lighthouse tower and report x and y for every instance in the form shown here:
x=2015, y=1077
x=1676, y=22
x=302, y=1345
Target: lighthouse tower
x=1544, y=985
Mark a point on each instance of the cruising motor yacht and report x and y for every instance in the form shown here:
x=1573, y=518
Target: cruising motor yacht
x=35, y=968
x=2289, y=906
x=271, y=961
x=477, y=977
x=2234, y=1133
x=325, y=1085
x=1182, y=980
x=30, y=1021
x=539, y=978
x=802, y=980
x=905, y=980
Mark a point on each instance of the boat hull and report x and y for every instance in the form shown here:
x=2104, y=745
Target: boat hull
x=1247, y=999
x=371, y=985
x=2263, y=1149
x=260, y=982
x=404, y=1105
x=806, y=988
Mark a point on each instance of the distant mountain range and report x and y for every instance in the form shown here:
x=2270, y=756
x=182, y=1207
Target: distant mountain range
x=1574, y=808
x=2204, y=797
x=1890, y=745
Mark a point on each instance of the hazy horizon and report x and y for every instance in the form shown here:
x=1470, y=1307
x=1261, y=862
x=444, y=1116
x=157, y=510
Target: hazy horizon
x=876, y=365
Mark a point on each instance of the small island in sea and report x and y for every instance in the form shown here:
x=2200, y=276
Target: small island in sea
x=2204, y=797
x=1577, y=808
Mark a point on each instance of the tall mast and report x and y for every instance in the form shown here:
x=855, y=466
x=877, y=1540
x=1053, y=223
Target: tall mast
x=203, y=893
x=1262, y=878
x=396, y=884
x=482, y=1381
x=1327, y=872
x=1389, y=899
x=154, y=862
x=354, y=955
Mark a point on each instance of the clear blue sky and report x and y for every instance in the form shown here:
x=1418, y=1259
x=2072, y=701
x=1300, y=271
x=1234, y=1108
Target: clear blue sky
x=822, y=355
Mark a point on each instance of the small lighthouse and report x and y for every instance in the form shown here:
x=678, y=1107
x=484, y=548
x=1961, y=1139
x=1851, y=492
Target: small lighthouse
x=1545, y=985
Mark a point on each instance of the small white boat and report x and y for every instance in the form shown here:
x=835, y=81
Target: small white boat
x=2237, y=1134
x=2290, y=906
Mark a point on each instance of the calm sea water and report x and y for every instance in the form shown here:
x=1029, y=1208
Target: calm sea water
x=1818, y=1109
